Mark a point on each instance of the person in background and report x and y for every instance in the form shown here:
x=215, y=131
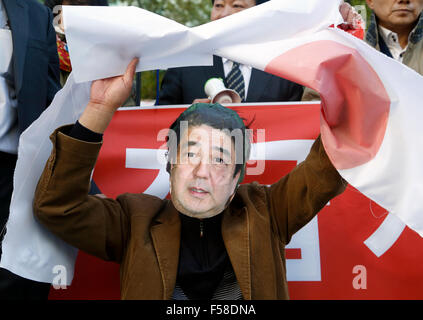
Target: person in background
x=186, y=85
x=214, y=238
x=29, y=79
x=62, y=47
x=396, y=29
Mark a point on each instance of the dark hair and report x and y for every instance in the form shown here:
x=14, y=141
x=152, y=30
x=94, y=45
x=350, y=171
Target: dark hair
x=215, y=116
x=52, y=3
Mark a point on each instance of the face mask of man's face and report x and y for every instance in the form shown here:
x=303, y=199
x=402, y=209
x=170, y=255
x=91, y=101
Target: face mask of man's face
x=202, y=180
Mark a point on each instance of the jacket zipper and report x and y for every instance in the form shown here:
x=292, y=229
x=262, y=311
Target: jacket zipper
x=204, y=244
x=201, y=229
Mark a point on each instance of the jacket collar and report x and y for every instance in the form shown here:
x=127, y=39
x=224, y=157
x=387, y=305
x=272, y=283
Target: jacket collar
x=166, y=235
x=372, y=35
x=236, y=236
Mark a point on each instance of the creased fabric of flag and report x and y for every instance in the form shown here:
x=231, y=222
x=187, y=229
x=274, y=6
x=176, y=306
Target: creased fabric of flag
x=370, y=117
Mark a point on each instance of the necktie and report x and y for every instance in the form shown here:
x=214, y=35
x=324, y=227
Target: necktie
x=235, y=80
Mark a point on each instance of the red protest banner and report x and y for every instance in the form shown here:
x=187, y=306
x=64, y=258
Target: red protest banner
x=327, y=259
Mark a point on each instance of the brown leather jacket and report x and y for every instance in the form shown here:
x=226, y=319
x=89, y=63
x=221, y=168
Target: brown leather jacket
x=142, y=232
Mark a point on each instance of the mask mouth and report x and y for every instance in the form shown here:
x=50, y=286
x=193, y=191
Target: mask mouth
x=199, y=190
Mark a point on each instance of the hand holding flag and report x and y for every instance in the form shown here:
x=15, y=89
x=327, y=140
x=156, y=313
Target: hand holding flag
x=106, y=96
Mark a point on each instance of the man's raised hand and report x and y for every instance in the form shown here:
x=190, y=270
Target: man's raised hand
x=106, y=96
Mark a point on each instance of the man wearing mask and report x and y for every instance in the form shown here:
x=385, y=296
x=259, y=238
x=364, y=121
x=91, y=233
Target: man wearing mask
x=29, y=79
x=213, y=239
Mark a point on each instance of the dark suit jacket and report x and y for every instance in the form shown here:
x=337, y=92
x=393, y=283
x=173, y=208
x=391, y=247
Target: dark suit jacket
x=36, y=64
x=183, y=85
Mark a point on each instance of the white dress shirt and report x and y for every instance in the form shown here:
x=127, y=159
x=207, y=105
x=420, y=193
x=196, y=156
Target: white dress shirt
x=8, y=114
x=392, y=41
x=245, y=70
